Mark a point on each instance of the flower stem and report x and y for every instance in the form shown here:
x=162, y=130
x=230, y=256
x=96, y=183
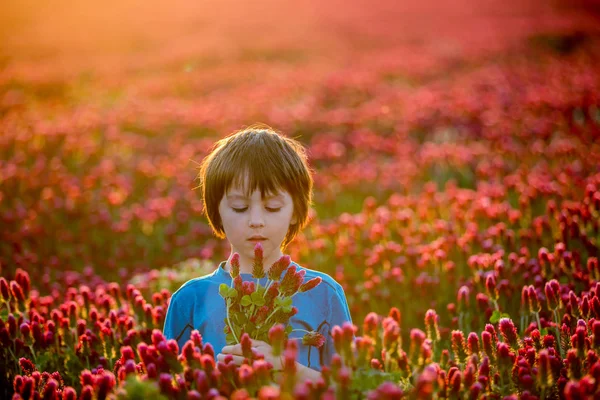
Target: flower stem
x=300, y=330
x=558, y=333
x=230, y=325
x=537, y=318
x=274, y=311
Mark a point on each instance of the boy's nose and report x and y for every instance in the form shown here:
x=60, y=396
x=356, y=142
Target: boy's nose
x=256, y=219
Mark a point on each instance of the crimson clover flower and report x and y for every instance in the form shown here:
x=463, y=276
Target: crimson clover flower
x=278, y=267
x=258, y=271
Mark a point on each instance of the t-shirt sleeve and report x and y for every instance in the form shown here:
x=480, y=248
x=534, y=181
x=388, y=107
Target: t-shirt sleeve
x=177, y=322
x=338, y=314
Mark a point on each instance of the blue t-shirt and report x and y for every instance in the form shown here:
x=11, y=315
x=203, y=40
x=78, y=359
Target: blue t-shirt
x=198, y=305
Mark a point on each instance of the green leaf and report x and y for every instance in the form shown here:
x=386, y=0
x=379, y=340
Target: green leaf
x=260, y=302
x=286, y=309
x=287, y=302
x=544, y=332
x=277, y=302
x=505, y=315
x=232, y=293
x=245, y=300
x=255, y=297
x=261, y=290
x=288, y=329
x=223, y=289
x=496, y=315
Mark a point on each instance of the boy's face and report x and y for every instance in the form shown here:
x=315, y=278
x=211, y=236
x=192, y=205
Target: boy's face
x=248, y=220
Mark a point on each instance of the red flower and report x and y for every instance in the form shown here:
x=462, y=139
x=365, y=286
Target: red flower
x=472, y=343
x=431, y=325
x=4, y=289
x=395, y=314
x=534, y=301
x=26, y=366
x=277, y=339
x=258, y=270
x=310, y=284
x=370, y=325
x=552, y=291
x=235, y=265
x=509, y=332
x=17, y=291
x=278, y=267
x=463, y=297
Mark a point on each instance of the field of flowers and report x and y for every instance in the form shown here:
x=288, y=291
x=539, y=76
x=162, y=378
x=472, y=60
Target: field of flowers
x=456, y=150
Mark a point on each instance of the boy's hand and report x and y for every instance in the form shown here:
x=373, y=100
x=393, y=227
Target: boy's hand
x=258, y=347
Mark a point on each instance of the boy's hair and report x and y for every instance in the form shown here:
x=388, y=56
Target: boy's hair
x=269, y=160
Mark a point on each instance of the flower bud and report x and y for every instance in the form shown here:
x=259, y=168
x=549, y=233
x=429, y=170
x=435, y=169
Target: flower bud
x=4, y=289
x=472, y=344
x=490, y=286
x=17, y=291
x=488, y=345
x=458, y=345
x=552, y=291
x=431, y=325
x=370, y=325
x=277, y=338
x=463, y=298
x=509, y=332
x=534, y=302
x=395, y=314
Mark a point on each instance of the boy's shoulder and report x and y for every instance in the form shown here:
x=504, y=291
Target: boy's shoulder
x=196, y=285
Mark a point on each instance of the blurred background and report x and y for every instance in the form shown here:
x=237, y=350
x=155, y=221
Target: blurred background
x=105, y=109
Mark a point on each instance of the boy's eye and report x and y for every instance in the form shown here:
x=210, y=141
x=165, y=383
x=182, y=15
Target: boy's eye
x=273, y=209
x=239, y=210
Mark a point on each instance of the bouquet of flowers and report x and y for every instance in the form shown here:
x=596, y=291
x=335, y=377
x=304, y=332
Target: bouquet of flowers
x=254, y=309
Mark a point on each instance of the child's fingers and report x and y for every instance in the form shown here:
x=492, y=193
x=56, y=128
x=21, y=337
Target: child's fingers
x=257, y=343
x=237, y=360
x=232, y=349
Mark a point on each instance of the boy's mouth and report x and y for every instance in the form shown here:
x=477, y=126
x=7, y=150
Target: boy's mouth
x=257, y=238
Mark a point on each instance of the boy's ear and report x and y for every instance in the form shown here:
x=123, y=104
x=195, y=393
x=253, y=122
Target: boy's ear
x=294, y=219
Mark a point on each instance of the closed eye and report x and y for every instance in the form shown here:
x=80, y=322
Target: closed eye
x=273, y=210
x=239, y=210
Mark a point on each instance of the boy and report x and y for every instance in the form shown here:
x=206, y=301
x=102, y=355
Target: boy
x=257, y=187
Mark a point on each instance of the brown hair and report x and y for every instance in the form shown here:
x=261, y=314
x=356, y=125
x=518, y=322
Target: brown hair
x=269, y=160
